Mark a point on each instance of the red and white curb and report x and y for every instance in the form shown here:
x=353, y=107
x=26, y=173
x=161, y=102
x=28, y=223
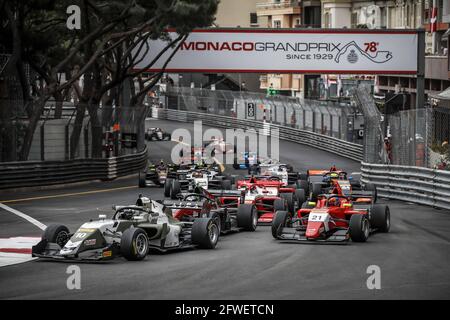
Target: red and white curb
x=16, y=250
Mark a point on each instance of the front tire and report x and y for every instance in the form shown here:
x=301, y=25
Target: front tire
x=279, y=221
x=359, y=228
x=134, y=244
x=247, y=217
x=205, y=233
x=56, y=233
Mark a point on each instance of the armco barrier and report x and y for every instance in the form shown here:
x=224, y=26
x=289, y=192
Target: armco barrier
x=413, y=184
x=42, y=173
x=343, y=148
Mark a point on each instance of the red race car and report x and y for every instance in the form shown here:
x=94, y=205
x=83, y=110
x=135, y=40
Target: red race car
x=269, y=195
x=207, y=204
x=333, y=218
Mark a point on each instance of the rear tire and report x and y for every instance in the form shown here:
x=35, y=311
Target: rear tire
x=373, y=188
x=134, y=244
x=226, y=184
x=303, y=184
x=279, y=221
x=167, y=186
x=205, y=233
x=142, y=183
x=359, y=228
x=300, y=197
x=56, y=233
x=175, y=189
x=247, y=217
x=290, y=202
x=380, y=218
x=279, y=205
x=316, y=190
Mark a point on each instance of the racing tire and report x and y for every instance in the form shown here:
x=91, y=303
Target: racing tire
x=134, y=244
x=56, y=233
x=216, y=217
x=279, y=221
x=300, y=197
x=226, y=184
x=316, y=190
x=279, y=205
x=380, y=218
x=303, y=184
x=306, y=205
x=142, y=183
x=167, y=186
x=247, y=217
x=289, y=201
x=359, y=228
x=373, y=188
x=175, y=189
x=205, y=233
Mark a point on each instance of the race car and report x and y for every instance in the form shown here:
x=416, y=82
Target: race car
x=245, y=160
x=333, y=218
x=157, y=134
x=269, y=195
x=189, y=180
x=285, y=172
x=207, y=204
x=156, y=175
x=131, y=232
x=322, y=181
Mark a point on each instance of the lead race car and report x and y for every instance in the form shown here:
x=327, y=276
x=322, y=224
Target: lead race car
x=130, y=233
x=335, y=217
x=157, y=134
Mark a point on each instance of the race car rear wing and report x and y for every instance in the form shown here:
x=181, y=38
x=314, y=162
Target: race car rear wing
x=226, y=193
x=178, y=204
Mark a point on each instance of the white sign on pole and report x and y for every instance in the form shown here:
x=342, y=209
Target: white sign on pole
x=291, y=51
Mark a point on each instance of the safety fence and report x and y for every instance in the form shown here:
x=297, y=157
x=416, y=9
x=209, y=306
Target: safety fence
x=343, y=148
x=329, y=118
x=413, y=184
x=40, y=173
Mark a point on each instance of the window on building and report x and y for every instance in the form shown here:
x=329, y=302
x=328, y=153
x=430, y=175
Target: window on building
x=253, y=18
x=327, y=20
x=354, y=19
x=276, y=23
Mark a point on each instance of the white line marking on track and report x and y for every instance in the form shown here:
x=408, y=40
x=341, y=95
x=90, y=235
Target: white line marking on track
x=24, y=216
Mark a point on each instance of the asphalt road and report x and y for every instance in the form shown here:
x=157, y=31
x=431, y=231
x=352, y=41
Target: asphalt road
x=413, y=258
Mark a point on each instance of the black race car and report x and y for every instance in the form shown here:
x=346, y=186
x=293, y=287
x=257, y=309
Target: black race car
x=157, y=134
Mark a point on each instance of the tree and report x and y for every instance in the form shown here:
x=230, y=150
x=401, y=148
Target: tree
x=103, y=52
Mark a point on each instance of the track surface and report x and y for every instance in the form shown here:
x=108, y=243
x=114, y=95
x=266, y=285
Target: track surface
x=414, y=257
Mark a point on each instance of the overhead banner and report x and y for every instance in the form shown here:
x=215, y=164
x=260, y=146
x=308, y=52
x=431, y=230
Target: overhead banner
x=290, y=51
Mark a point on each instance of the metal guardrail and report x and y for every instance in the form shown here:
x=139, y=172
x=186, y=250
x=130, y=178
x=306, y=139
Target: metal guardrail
x=413, y=184
x=343, y=148
x=42, y=173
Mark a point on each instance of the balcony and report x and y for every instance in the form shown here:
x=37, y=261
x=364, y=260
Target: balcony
x=278, y=8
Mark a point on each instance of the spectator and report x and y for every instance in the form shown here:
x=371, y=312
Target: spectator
x=388, y=147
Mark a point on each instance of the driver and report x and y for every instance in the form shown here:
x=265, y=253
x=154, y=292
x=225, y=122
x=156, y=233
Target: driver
x=334, y=202
x=161, y=165
x=333, y=168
